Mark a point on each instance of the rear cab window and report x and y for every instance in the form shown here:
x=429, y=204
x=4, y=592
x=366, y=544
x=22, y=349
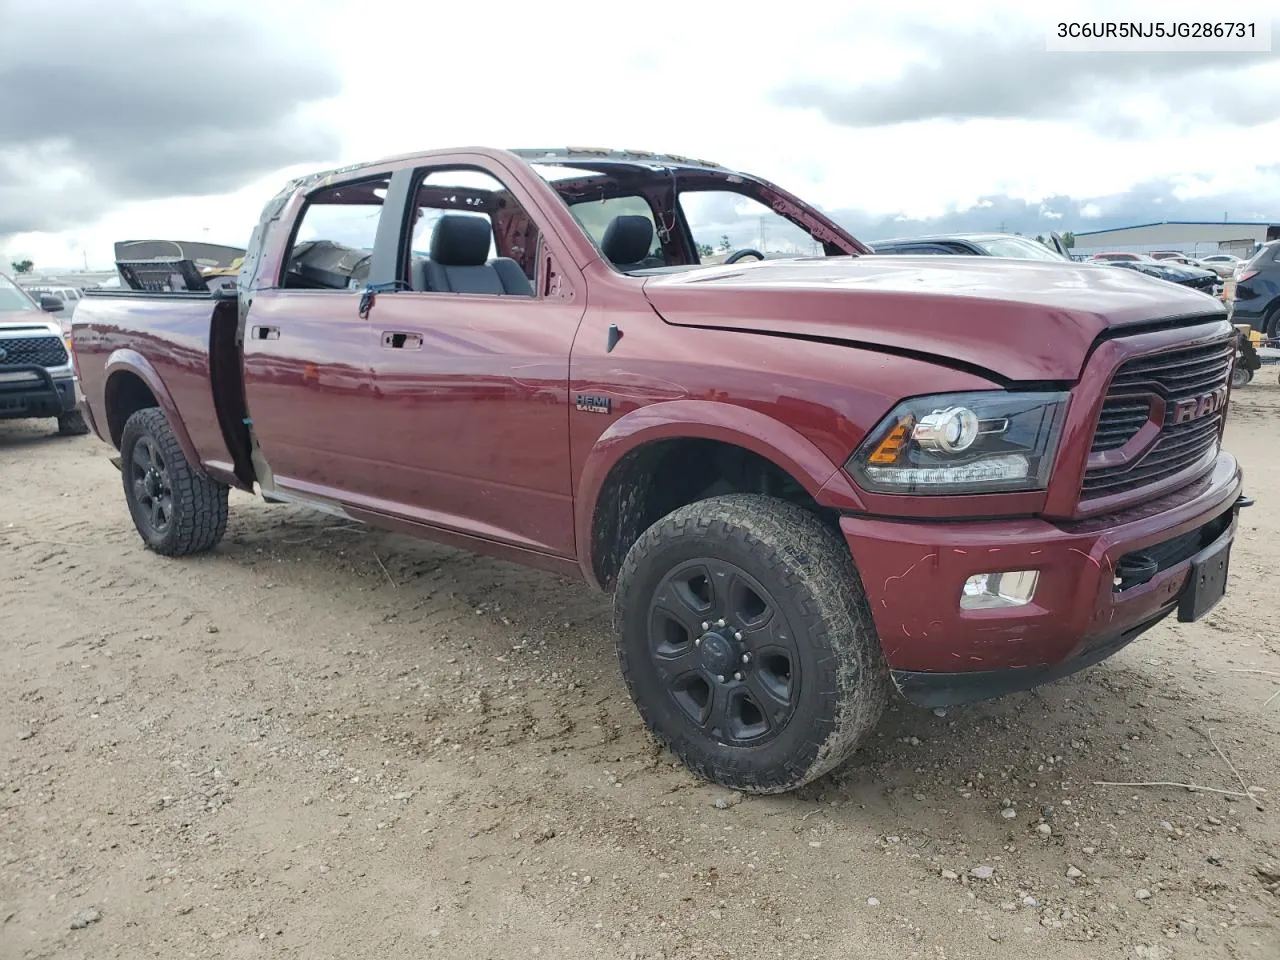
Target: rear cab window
x=333, y=241
x=495, y=255
x=596, y=215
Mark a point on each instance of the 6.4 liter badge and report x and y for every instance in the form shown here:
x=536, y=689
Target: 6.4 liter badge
x=1184, y=411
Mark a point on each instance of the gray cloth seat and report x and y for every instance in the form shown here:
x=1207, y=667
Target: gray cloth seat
x=459, y=261
x=626, y=242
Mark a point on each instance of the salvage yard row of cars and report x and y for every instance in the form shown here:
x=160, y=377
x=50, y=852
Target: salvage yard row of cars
x=739, y=451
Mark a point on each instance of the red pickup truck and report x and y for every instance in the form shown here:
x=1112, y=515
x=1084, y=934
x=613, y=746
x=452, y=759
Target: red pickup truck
x=807, y=475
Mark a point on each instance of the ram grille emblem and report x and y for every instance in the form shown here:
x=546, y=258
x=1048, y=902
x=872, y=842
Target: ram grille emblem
x=1193, y=408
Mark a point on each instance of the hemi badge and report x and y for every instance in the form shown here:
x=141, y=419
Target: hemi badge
x=594, y=404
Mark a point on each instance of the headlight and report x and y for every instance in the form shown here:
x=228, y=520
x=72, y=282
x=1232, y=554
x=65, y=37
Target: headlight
x=951, y=443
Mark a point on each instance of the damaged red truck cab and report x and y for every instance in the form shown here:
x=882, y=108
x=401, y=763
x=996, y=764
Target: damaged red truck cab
x=808, y=476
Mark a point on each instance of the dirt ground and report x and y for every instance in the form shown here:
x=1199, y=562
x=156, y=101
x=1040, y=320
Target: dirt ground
x=323, y=742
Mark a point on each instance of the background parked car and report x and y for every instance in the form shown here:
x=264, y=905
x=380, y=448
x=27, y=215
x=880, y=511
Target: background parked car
x=1174, y=256
x=37, y=377
x=1194, y=277
x=70, y=296
x=1223, y=264
x=1255, y=292
x=1114, y=256
x=971, y=244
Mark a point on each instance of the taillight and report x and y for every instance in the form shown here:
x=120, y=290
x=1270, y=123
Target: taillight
x=1248, y=274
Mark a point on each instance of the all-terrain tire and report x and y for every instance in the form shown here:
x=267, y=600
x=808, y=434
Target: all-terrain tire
x=196, y=515
x=72, y=424
x=810, y=579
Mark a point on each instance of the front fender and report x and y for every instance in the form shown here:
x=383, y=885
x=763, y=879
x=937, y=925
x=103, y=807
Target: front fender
x=125, y=361
x=771, y=439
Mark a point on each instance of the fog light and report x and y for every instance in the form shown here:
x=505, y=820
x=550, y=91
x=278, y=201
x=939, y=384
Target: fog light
x=984, y=591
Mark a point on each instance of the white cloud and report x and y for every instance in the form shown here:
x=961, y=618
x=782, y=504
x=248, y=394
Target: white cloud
x=696, y=83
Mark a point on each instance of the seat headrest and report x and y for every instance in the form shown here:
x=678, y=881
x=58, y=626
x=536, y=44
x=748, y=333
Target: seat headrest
x=461, y=241
x=627, y=239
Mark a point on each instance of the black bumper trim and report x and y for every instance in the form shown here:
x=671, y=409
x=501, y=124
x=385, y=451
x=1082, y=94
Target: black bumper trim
x=953, y=689
x=27, y=400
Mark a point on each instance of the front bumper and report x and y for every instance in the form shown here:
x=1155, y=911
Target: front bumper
x=939, y=654
x=30, y=392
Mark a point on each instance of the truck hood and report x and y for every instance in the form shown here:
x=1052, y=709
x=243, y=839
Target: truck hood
x=16, y=320
x=1017, y=319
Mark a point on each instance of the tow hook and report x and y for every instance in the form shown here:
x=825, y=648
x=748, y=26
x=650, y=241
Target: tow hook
x=1242, y=501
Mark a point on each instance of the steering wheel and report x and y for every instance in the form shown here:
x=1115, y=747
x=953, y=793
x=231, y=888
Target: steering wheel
x=744, y=252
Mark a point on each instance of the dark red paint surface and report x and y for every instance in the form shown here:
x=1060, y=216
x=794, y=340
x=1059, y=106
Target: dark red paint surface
x=474, y=437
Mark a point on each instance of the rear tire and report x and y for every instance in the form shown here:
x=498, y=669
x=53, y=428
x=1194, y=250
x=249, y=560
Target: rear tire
x=177, y=510
x=1271, y=325
x=746, y=641
x=72, y=424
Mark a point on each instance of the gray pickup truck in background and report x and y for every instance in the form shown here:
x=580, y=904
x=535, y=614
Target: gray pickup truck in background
x=37, y=373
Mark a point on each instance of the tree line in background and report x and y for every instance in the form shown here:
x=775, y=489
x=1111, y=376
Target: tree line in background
x=22, y=266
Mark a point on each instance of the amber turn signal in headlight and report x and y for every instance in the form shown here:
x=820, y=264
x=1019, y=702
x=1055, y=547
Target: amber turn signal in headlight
x=989, y=441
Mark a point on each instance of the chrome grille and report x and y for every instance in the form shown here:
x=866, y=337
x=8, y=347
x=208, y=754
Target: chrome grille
x=1176, y=375
x=32, y=351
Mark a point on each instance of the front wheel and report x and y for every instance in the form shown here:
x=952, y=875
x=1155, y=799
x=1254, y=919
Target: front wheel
x=747, y=643
x=177, y=510
x=1240, y=376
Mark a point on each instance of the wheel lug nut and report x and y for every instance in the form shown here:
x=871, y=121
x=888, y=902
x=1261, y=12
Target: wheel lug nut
x=746, y=658
x=697, y=641
x=721, y=678
x=705, y=625
x=737, y=676
x=720, y=622
x=738, y=635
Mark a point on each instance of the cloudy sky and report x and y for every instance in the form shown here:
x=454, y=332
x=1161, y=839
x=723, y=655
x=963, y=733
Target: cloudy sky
x=176, y=119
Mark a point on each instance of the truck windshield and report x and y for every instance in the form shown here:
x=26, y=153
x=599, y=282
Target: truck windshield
x=12, y=298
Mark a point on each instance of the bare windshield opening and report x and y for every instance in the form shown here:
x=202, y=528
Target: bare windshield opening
x=653, y=216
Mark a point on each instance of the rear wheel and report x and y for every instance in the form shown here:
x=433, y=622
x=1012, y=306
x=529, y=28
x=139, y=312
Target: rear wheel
x=177, y=510
x=1240, y=376
x=747, y=643
x=1271, y=325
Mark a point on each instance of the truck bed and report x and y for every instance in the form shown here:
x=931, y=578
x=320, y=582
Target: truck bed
x=185, y=345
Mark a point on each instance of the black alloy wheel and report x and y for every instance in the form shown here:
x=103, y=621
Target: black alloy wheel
x=152, y=489
x=725, y=651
